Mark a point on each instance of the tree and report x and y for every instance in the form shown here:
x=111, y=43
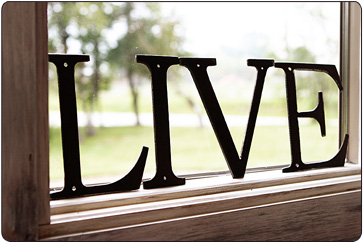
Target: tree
x=90, y=20
x=61, y=16
x=145, y=35
x=308, y=84
x=86, y=24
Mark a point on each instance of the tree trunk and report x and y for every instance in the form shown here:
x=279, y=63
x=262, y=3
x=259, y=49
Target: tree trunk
x=135, y=96
x=91, y=131
x=96, y=70
x=64, y=37
x=190, y=102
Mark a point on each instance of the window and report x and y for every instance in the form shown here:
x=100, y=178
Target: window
x=194, y=150
x=25, y=213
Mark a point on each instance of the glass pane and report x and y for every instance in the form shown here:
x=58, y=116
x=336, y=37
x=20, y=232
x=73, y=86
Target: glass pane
x=112, y=135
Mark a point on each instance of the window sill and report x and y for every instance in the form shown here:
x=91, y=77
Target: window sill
x=97, y=216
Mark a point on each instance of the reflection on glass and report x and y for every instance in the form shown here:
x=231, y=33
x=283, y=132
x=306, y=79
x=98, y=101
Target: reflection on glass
x=114, y=96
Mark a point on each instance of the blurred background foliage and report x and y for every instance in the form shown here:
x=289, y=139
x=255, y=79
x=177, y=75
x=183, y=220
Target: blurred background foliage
x=88, y=24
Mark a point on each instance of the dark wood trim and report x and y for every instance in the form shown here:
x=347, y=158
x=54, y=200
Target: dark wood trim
x=24, y=125
x=42, y=111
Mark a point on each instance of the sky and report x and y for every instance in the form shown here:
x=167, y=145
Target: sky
x=248, y=30
x=246, y=27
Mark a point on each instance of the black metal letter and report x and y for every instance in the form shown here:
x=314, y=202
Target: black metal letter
x=158, y=66
x=73, y=186
x=198, y=70
x=318, y=114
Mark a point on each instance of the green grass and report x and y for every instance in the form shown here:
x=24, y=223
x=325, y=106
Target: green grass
x=113, y=151
x=235, y=102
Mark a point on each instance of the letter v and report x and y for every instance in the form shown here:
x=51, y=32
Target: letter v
x=198, y=69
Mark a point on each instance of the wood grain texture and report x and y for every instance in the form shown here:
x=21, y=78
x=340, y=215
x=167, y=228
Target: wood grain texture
x=24, y=126
x=42, y=123
x=90, y=222
x=334, y=217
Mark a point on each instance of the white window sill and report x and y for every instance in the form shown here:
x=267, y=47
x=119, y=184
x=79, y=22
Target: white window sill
x=88, y=217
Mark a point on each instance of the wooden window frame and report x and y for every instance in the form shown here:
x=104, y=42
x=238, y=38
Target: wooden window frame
x=350, y=72
x=24, y=126
x=265, y=205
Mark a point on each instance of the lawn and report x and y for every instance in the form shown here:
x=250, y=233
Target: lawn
x=233, y=101
x=115, y=150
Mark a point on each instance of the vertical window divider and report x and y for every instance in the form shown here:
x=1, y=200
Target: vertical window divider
x=344, y=67
x=350, y=72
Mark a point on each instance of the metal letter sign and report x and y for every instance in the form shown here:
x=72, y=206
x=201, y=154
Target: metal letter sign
x=73, y=186
x=318, y=114
x=198, y=69
x=158, y=66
